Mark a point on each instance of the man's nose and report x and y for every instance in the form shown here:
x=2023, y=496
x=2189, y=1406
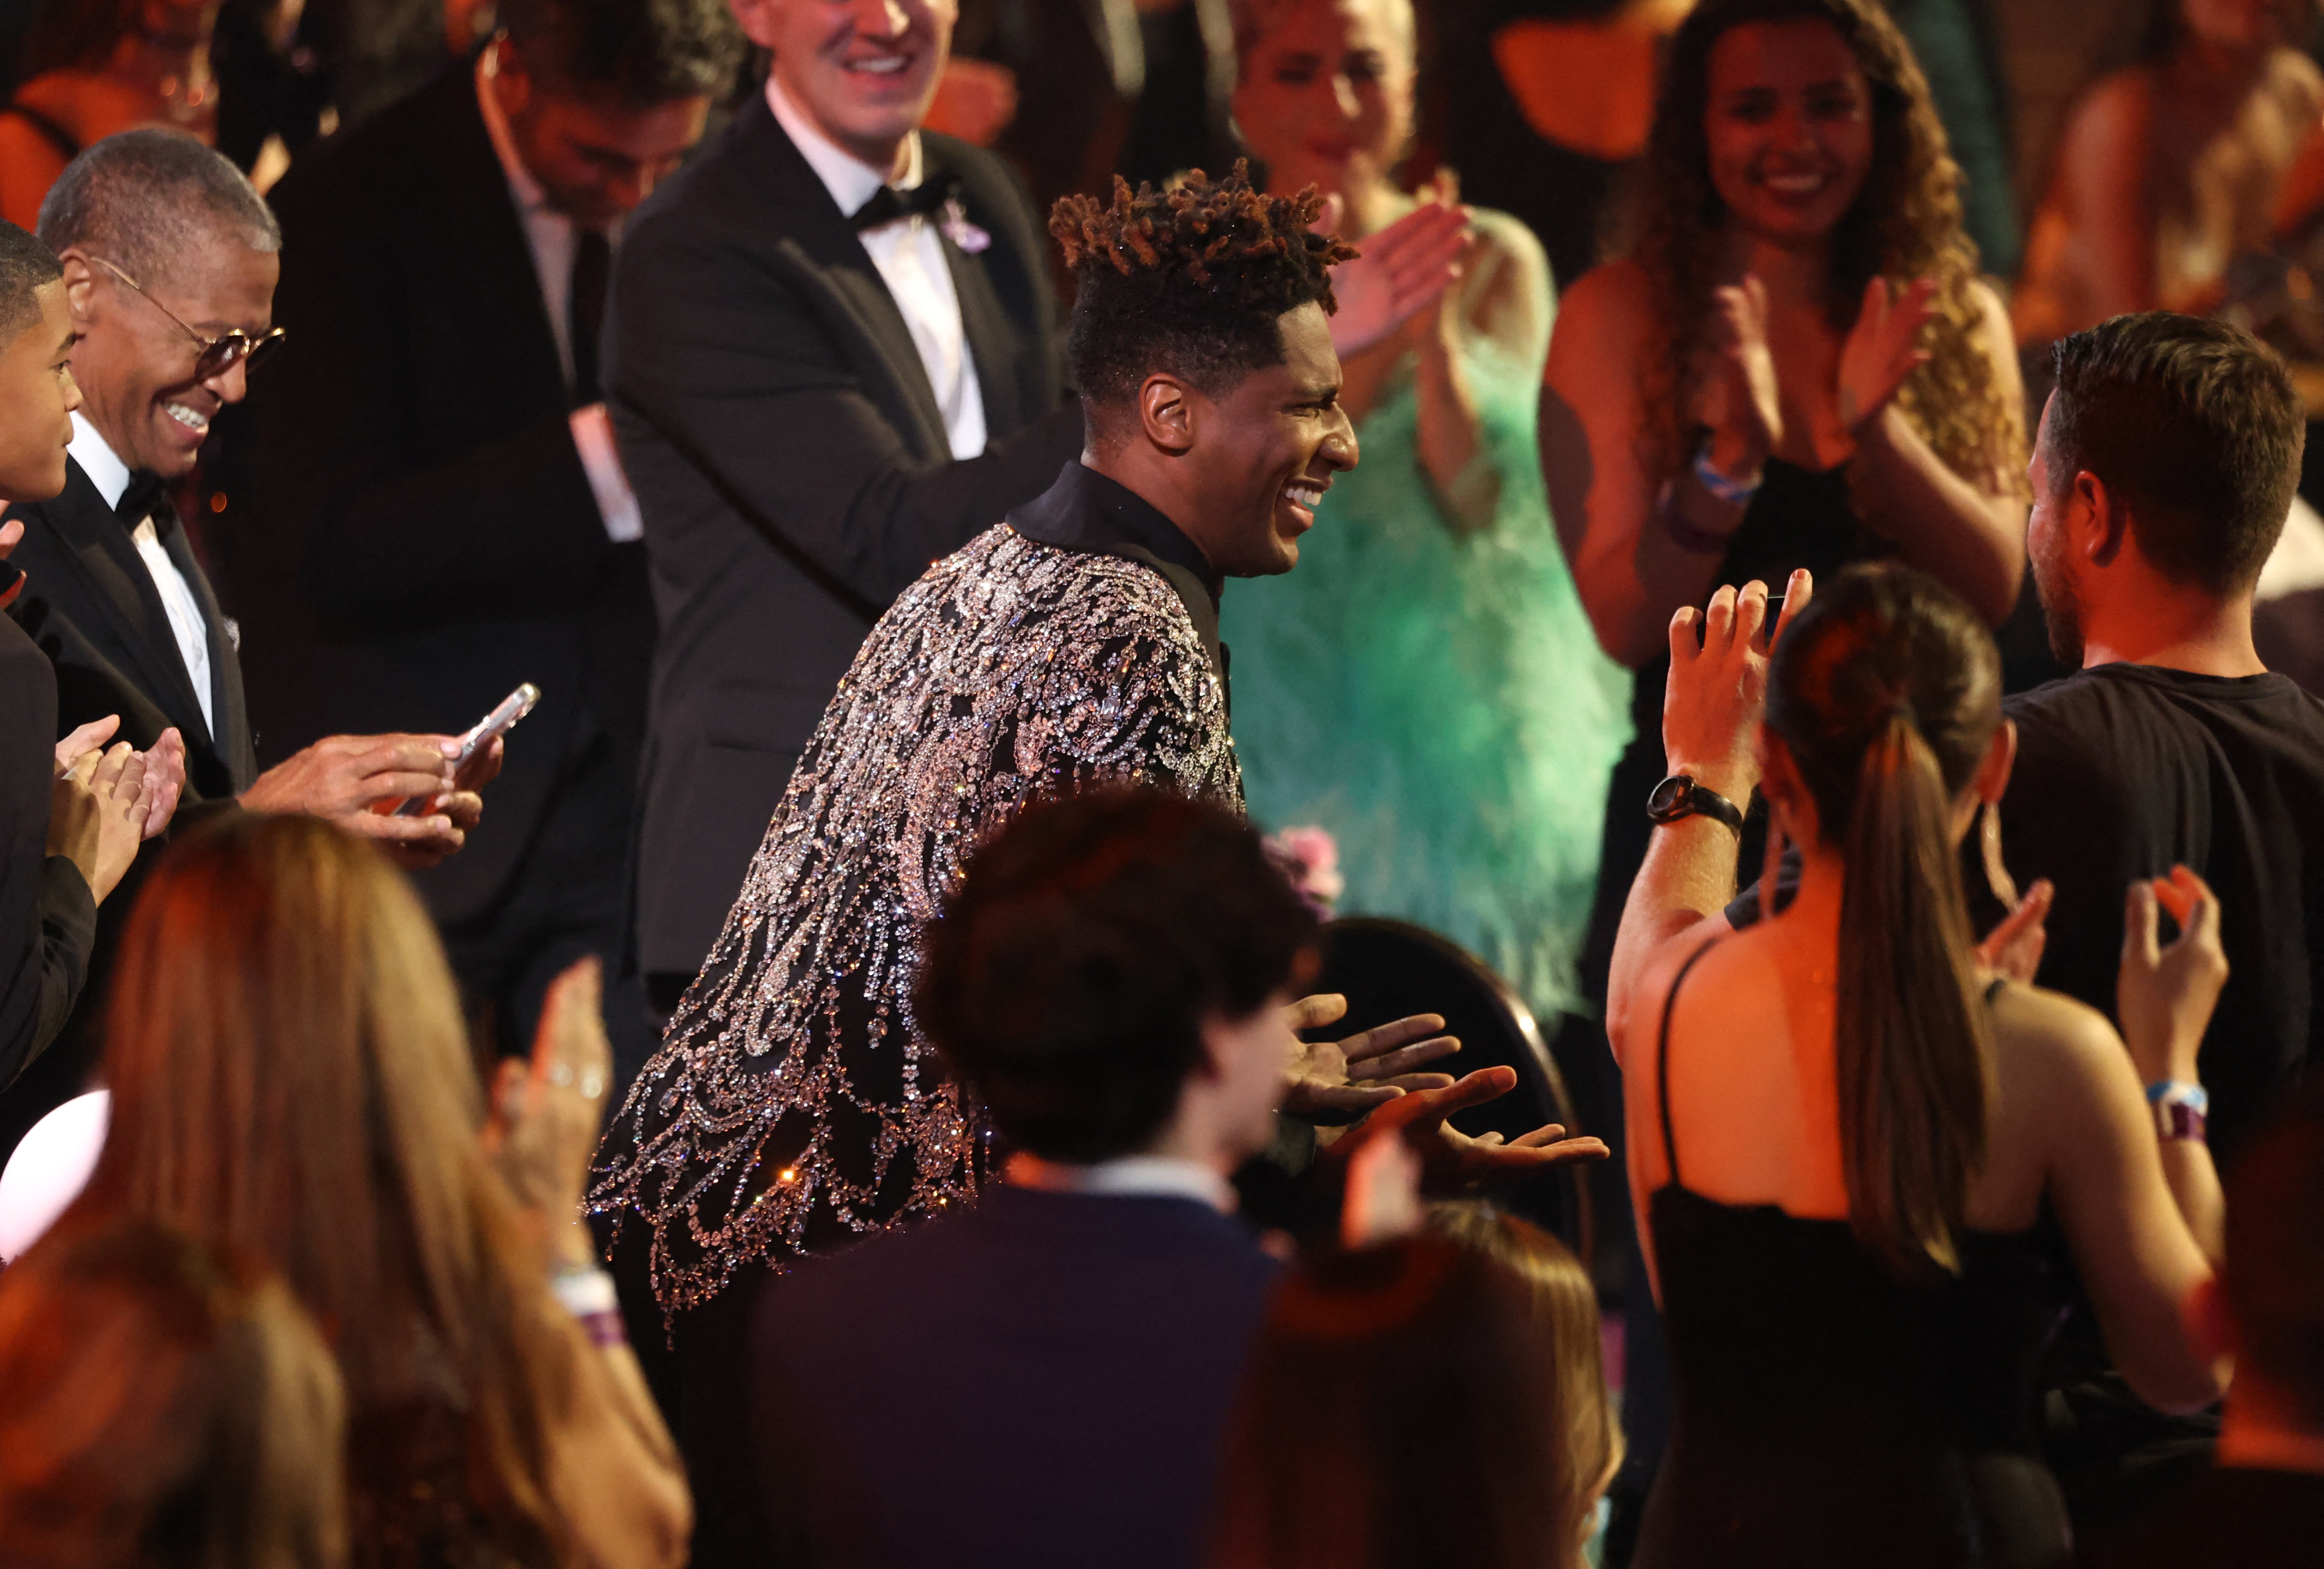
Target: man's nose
x=1340, y=448
x=231, y=385
x=72, y=392
x=881, y=18
x=1343, y=96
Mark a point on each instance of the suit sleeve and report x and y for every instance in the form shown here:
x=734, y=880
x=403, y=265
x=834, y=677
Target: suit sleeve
x=739, y=364
x=48, y=919
x=387, y=534
x=51, y=973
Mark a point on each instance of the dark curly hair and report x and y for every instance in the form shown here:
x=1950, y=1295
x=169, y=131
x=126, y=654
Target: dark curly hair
x=643, y=53
x=1069, y=976
x=1905, y=223
x=1191, y=280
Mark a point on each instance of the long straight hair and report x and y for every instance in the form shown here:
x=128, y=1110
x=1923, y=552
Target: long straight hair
x=1886, y=693
x=290, y=1080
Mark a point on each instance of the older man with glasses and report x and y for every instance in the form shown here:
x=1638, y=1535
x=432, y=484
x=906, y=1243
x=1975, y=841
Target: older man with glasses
x=169, y=265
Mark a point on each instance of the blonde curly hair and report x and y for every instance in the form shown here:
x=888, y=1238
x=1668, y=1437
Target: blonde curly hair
x=1904, y=223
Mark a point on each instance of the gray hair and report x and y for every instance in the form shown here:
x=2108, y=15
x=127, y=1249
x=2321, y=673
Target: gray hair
x=144, y=198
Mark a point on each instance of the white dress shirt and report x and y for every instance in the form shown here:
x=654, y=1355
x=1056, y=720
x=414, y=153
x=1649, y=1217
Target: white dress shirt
x=110, y=475
x=910, y=256
x=1130, y=1176
x=549, y=234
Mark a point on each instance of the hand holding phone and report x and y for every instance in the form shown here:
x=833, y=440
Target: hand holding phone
x=482, y=734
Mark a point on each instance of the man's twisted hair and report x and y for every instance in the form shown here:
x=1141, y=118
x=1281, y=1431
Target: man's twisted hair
x=1191, y=280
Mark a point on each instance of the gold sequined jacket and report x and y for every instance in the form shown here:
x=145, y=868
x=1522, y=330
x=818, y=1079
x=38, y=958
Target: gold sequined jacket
x=793, y=1103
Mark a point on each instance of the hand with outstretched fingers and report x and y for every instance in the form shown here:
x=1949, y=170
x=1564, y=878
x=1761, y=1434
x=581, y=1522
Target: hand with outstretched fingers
x=1451, y=1162
x=1338, y=1081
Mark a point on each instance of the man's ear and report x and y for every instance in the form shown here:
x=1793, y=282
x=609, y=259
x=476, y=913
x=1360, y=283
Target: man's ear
x=81, y=287
x=2000, y=756
x=2098, y=518
x=757, y=20
x=512, y=82
x=1166, y=413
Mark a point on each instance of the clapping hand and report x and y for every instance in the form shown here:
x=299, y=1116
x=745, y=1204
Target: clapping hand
x=2013, y=950
x=1741, y=403
x=2165, y=995
x=547, y=1110
x=1338, y=1081
x=161, y=778
x=1403, y=270
x=1883, y=347
x=1451, y=1162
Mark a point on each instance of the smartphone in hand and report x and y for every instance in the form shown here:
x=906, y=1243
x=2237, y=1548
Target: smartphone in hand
x=482, y=734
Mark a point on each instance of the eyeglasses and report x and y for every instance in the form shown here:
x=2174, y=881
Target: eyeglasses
x=218, y=355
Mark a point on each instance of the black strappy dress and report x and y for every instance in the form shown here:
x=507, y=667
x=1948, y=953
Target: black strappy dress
x=1830, y=1415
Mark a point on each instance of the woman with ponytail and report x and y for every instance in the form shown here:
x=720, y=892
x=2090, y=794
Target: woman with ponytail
x=1860, y=1163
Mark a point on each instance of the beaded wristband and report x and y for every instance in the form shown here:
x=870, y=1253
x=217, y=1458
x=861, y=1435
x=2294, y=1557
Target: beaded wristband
x=1734, y=493
x=2181, y=1110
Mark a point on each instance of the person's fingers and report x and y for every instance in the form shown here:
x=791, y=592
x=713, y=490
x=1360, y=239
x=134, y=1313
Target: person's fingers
x=2175, y=897
x=1718, y=623
x=1547, y=1134
x=2206, y=906
x=510, y=1088
x=1412, y=1083
x=1486, y=1139
x=1751, y=614
x=12, y=535
x=390, y=788
x=129, y=782
x=2138, y=926
x=1484, y=1085
x=465, y=808
x=1313, y=1012
x=1388, y=1037
x=404, y=830
x=1423, y=264
x=2029, y=913
x=364, y=754
x=1388, y=1065
x=1914, y=305
x=88, y=737
x=1327, y=217
x=1685, y=643
x=1874, y=307
x=1523, y=1156
x=1351, y=1097
x=106, y=776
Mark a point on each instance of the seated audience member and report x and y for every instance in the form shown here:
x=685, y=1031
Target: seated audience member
x=76, y=811
x=1425, y=1400
x=2261, y=1505
x=291, y=1081
x=1846, y=1144
x=170, y=266
x=91, y=69
x=2171, y=171
x=422, y=507
x=1109, y=983
x=167, y=1408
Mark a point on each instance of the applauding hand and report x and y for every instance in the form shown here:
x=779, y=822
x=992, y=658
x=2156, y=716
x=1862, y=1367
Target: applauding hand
x=1741, y=402
x=1717, y=684
x=1883, y=348
x=1403, y=270
x=2165, y=995
x=1338, y=1081
x=1453, y=1162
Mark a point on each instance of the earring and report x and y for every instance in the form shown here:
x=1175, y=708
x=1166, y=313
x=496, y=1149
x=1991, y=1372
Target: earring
x=1997, y=876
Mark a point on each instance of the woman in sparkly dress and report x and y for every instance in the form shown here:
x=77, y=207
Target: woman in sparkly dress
x=1425, y=687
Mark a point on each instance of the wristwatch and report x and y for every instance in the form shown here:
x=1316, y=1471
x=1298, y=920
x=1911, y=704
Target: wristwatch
x=1679, y=796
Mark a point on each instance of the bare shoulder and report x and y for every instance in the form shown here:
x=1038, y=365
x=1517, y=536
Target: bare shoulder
x=2053, y=1047
x=1601, y=328
x=1505, y=288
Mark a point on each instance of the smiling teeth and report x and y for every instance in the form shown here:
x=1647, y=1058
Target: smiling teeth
x=187, y=417
x=881, y=66
x=1300, y=493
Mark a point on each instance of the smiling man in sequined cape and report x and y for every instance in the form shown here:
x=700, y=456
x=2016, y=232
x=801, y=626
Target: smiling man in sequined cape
x=794, y=1104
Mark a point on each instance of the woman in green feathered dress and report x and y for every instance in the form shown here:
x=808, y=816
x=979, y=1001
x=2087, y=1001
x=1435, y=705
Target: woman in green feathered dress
x=1425, y=687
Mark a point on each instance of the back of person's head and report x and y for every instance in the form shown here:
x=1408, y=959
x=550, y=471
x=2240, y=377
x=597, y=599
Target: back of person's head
x=1192, y=280
x=144, y=200
x=1565, y=1315
x=1072, y=973
x=1399, y=1412
x=2274, y=1275
x=165, y=1407
x=26, y=266
x=2194, y=427
x=1884, y=693
x=634, y=52
x=291, y=1078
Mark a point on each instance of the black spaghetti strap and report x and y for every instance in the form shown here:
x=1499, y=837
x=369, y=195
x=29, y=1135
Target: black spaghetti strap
x=56, y=136
x=1662, y=1060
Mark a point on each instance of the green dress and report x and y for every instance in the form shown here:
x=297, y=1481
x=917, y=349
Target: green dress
x=1438, y=705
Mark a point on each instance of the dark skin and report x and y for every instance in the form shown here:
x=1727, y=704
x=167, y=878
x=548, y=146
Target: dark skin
x=1239, y=468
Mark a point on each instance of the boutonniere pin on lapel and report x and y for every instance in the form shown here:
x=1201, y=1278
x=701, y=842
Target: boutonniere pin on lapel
x=956, y=228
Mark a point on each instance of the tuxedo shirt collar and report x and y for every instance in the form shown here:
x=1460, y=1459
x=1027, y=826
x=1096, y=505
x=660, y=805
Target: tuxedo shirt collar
x=851, y=181
x=97, y=460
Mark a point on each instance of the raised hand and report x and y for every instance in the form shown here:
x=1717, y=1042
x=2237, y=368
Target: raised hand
x=1883, y=347
x=2013, y=949
x=165, y=779
x=96, y=815
x=1403, y=270
x=1717, y=684
x=1450, y=1161
x=1338, y=1081
x=357, y=781
x=547, y=1110
x=84, y=739
x=1741, y=403
x=2165, y=995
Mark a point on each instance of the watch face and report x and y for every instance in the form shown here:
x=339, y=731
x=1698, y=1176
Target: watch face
x=1668, y=800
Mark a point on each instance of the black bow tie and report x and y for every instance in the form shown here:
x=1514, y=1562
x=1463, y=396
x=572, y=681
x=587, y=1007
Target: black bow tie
x=143, y=498
x=888, y=205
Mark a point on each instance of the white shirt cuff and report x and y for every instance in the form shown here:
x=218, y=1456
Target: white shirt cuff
x=617, y=504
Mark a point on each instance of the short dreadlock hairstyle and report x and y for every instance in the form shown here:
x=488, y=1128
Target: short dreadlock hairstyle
x=1191, y=280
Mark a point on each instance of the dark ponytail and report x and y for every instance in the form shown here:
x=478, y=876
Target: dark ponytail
x=1886, y=693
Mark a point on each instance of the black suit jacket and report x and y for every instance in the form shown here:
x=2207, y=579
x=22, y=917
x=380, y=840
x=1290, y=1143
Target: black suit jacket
x=1040, y=1383
x=782, y=437
x=48, y=919
x=408, y=533
x=90, y=605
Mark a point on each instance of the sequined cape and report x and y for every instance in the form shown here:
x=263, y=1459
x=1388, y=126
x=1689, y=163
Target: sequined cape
x=793, y=1103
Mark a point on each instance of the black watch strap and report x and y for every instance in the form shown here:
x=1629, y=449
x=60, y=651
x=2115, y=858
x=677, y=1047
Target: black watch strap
x=1679, y=796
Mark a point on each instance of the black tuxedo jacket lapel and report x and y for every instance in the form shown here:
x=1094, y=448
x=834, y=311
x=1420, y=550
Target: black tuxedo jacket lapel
x=820, y=251
x=123, y=586
x=232, y=737
x=990, y=337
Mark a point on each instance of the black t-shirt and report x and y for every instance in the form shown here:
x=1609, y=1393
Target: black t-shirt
x=2124, y=770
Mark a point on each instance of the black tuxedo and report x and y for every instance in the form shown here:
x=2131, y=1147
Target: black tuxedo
x=410, y=532
x=91, y=606
x=780, y=431
x=48, y=919
x=1042, y=1382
